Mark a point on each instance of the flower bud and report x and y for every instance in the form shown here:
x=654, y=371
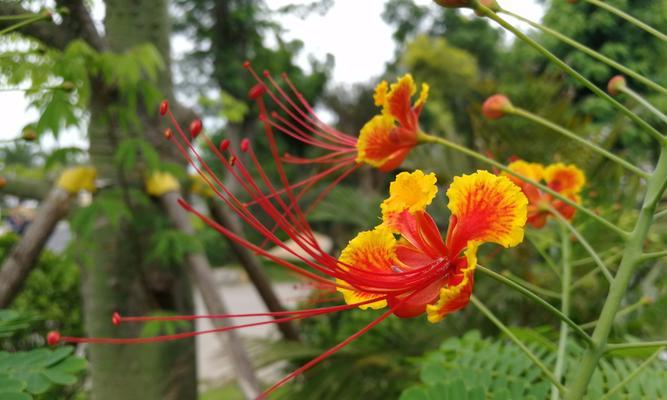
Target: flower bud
x=29, y=135
x=53, y=338
x=496, y=106
x=616, y=85
x=256, y=91
x=3, y=181
x=195, y=128
x=164, y=107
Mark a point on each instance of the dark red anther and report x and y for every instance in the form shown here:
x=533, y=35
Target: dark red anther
x=232, y=160
x=266, y=73
x=246, y=64
x=256, y=91
x=115, y=318
x=245, y=144
x=164, y=106
x=195, y=128
x=224, y=145
x=168, y=133
x=53, y=338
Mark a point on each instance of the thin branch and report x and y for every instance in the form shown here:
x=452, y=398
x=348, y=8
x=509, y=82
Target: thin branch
x=582, y=240
x=553, y=310
x=47, y=32
x=538, y=363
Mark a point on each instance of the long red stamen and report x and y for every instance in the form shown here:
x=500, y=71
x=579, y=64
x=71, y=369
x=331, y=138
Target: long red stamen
x=54, y=337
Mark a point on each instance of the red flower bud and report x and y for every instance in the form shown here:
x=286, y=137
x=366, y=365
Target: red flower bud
x=256, y=91
x=224, y=145
x=496, y=106
x=616, y=85
x=53, y=338
x=115, y=318
x=245, y=144
x=164, y=106
x=195, y=128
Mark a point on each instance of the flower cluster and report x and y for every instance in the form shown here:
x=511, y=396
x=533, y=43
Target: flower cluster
x=567, y=180
x=404, y=264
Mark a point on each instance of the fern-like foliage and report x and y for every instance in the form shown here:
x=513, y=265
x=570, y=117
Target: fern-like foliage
x=476, y=368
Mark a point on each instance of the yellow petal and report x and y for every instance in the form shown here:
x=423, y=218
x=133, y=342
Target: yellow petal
x=534, y=171
x=488, y=208
x=412, y=191
x=370, y=251
x=76, y=179
x=380, y=95
x=565, y=179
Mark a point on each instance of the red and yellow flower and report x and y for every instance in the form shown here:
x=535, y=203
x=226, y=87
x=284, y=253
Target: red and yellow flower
x=386, y=140
x=405, y=264
x=567, y=180
x=383, y=142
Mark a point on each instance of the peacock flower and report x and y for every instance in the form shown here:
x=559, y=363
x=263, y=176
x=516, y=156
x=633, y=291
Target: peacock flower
x=567, y=180
x=383, y=142
x=387, y=139
x=413, y=269
x=403, y=264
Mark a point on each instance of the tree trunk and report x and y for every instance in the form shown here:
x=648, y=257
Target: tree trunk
x=116, y=275
x=17, y=265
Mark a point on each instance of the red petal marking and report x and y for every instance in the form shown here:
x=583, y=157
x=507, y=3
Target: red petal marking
x=421, y=231
x=390, y=148
x=400, y=107
x=415, y=304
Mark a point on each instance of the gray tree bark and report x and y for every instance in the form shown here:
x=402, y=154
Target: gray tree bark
x=19, y=262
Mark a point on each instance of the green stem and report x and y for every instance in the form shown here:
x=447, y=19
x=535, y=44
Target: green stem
x=426, y=138
x=504, y=329
x=537, y=299
x=17, y=16
x=632, y=374
x=582, y=240
x=594, y=271
x=654, y=255
x=566, y=254
x=550, y=262
x=27, y=21
x=659, y=215
x=588, y=260
x=631, y=258
x=630, y=19
x=587, y=50
x=570, y=71
x=531, y=286
x=637, y=345
x=627, y=310
x=641, y=100
x=569, y=134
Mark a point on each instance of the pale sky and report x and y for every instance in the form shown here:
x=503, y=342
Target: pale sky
x=353, y=31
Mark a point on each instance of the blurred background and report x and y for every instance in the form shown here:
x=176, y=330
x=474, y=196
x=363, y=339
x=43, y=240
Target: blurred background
x=83, y=87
